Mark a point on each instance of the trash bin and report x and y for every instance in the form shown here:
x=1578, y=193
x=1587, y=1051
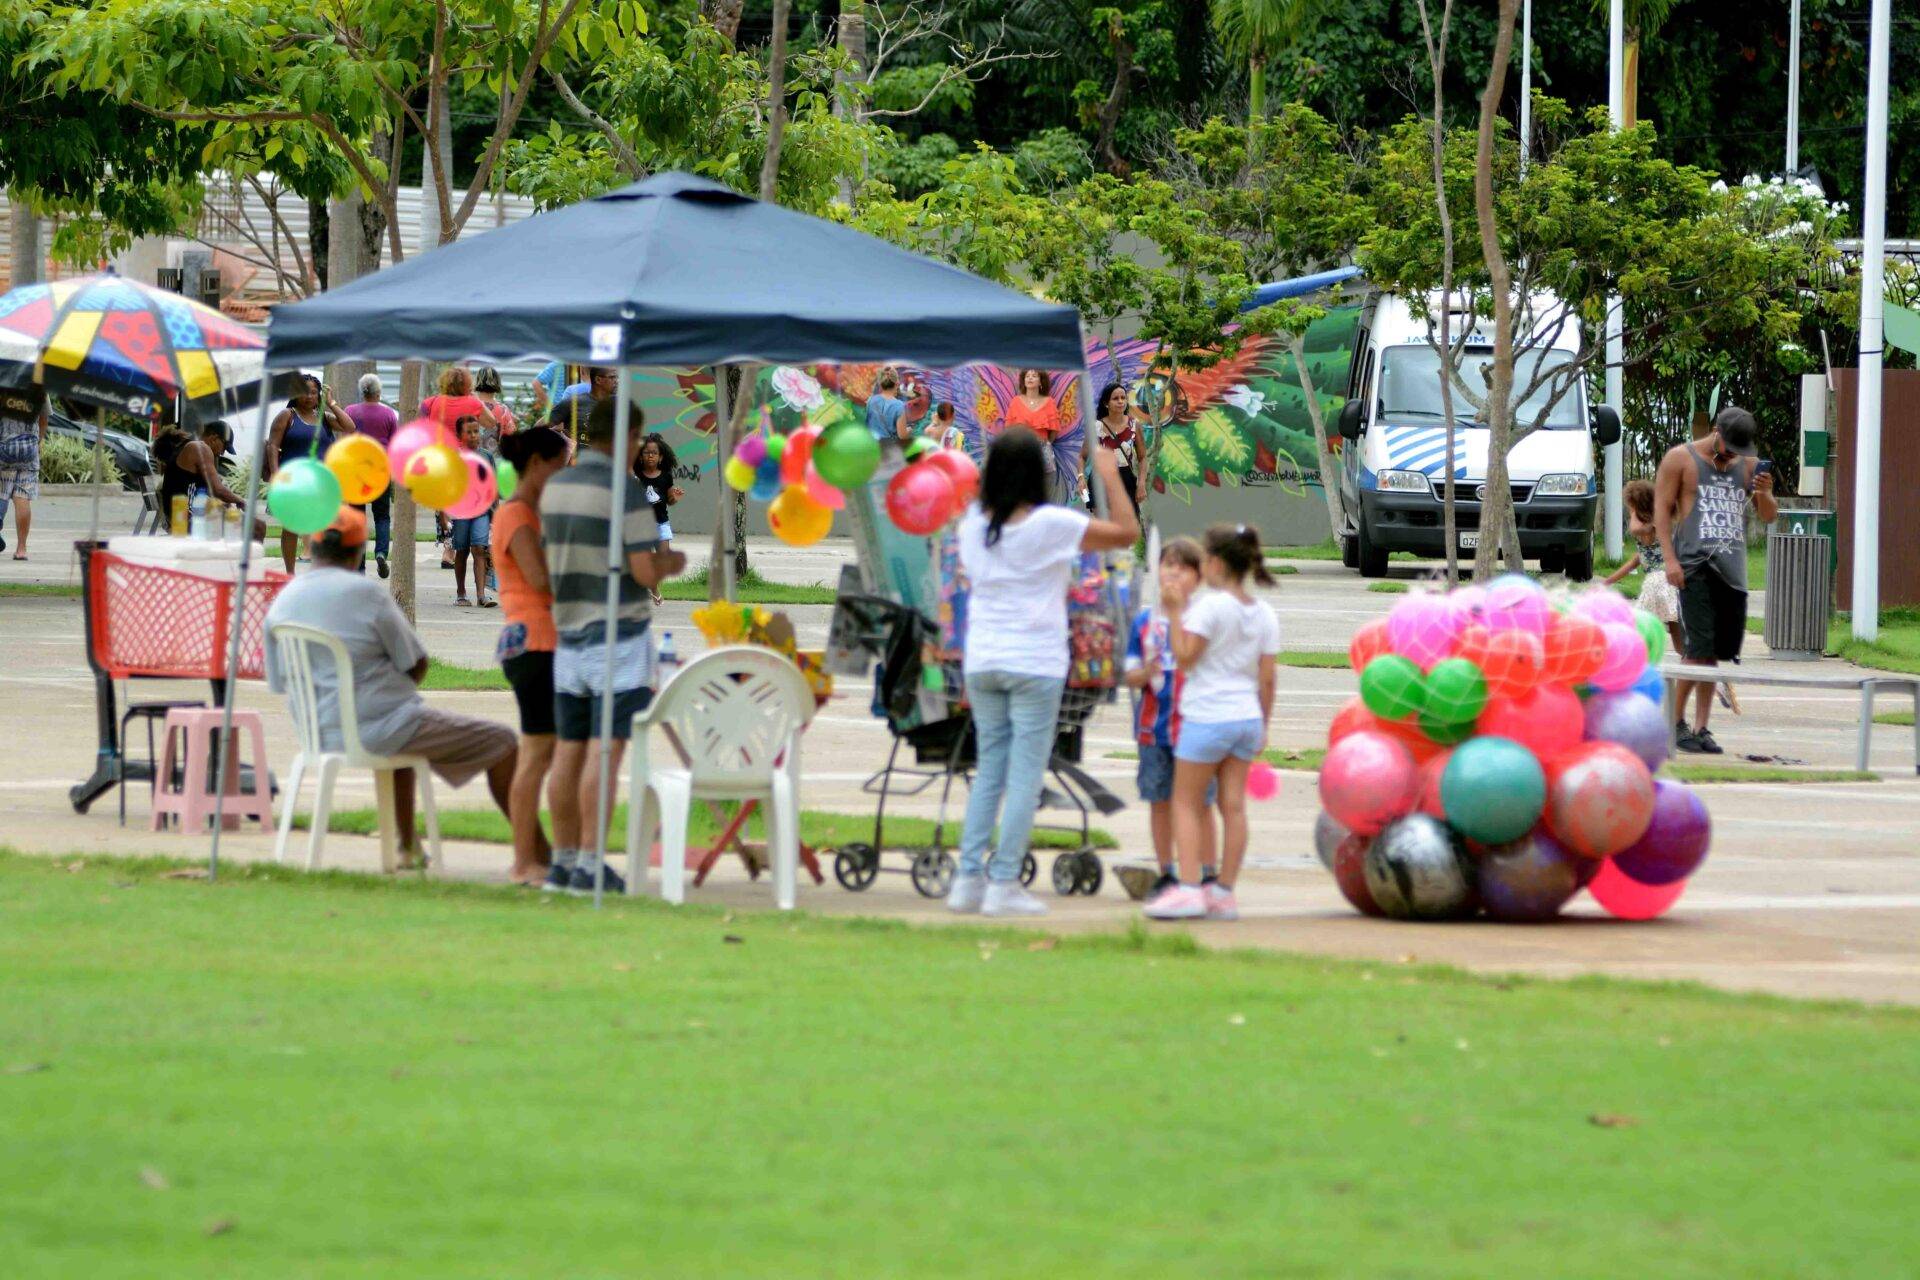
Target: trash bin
x=1799, y=585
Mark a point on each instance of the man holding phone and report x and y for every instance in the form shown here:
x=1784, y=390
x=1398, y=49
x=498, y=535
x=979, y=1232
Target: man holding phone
x=1700, y=515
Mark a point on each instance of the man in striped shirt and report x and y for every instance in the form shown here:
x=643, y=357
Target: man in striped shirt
x=576, y=515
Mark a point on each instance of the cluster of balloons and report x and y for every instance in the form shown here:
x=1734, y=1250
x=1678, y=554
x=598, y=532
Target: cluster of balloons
x=935, y=486
x=306, y=494
x=1501, y=757
x=805, y=476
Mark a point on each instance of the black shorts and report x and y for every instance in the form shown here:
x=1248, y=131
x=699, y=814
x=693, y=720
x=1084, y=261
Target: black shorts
x=578, y=714
x=531, y=675
x=1713, y=617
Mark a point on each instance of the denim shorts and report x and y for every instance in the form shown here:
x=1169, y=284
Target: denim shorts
x=1155, y=775
x=477, y=532
x=1202, y=743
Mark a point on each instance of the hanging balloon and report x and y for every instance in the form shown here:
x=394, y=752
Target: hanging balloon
x=304, y=496
x=776, y=447
x=920, y=499
x=918, y=448
x=799, y=452
x=409, y=440
x=1368, y=643
x=508, y=477
x=738, y=475
x=822, y=492
x=360, y=465
x=1393, y=687
x=846, y=456
x=797, y=519
x=482, y=488
x=1600, y=799
x=436, y=477
x=752, y=449
x=960, y=469
x=766, y=480
x=1494, y=790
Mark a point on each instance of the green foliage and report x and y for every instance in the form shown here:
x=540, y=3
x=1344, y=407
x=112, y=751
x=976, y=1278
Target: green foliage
x=65, y=460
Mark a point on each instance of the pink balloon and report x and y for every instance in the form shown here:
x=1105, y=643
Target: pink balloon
x=482, y=488
x=752, y=449
x=1626, y=657
x=920, y=498
x=1547, y=720
x=1263, y=781
x=411, y=439
x=822, y=492
x=1514, y=603
x=1624, y=898
x=1367, y=780
x=1604, y=605
x=1471, y=601
x=1424, y=628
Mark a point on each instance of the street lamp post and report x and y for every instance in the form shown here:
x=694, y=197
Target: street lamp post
x=1793, y=92
x=1616, y=393
x=1873, y=232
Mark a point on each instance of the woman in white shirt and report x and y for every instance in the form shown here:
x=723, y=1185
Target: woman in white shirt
x=1019, y=551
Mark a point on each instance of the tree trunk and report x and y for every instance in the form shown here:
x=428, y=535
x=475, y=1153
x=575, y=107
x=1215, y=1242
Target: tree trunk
x=724, y=15
x=319, y=238
x=1449, y=489
x=776, y=101
x=1496, y=511
x=372, y=213
x=1108, y=118
x=405, y=514
x=29, y=254
x=1256, y=88
x=435, y=179
x=1161, y=419
x=1329, y=465
x=851, y=33
x=347, y=260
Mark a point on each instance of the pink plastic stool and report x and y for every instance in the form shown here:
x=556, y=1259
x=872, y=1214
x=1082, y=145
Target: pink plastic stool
x=190, y=734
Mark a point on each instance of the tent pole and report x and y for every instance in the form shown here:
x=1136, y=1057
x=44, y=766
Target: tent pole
x=616, y=570
x=1089, y=412
x=720, y=564
x=99, y=446
x=235, y=625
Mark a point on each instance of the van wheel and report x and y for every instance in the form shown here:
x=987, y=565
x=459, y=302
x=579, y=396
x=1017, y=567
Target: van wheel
x=1580, y=565
x=1370, y=560
x=1350, y=551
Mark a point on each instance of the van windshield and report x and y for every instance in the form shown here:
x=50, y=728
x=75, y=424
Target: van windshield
x=1410, y=387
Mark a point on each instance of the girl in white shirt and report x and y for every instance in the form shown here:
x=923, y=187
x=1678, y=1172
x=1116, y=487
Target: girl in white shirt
x=1225, y=642
x=1020, y=552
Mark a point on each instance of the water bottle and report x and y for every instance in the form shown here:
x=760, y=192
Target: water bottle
x=667, y=661
x=197, y=512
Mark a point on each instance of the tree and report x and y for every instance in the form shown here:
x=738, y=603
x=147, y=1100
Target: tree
x=1435, y=40
x=1597, y=214
x=1288, y=190
x=1257, y=31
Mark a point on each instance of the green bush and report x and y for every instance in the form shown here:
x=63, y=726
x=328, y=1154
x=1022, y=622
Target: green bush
x=65, y=460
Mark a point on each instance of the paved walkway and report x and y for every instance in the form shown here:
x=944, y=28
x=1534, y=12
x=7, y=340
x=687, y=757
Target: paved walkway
x=1812, y=889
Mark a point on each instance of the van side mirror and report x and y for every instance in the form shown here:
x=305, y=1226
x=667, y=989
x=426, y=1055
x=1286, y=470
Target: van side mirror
x=1605, y=423
x=1352, y=414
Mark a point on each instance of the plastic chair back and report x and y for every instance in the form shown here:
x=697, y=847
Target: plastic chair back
x=733, y=711
x=298, y=646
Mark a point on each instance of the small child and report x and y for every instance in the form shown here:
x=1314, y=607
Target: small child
x=1152, y=670
x=944, y=430
x=1225, y=642
x=654, y=469
x=1657, y=595
x=473, y=538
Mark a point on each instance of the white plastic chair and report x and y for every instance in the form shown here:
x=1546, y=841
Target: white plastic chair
x=736, y=714
x=296, y=646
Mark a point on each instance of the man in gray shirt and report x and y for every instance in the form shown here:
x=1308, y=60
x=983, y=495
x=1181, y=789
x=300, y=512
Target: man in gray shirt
x=388, y=663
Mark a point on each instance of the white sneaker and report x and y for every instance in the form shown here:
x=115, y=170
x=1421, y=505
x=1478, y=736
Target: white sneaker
x=1220, y=902
x=965, y=896
x=1010, y=898
x=1177, y=902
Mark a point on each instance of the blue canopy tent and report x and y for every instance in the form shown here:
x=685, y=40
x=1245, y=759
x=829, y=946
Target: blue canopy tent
x=675, y=270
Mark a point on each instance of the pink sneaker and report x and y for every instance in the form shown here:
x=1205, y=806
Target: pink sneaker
x=1177, y=902
x=1220, y=902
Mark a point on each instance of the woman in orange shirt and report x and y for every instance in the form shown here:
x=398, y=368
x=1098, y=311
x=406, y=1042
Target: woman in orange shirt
x=1034, y=408
x=528, y=640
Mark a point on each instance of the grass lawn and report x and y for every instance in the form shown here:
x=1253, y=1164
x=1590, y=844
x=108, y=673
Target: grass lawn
x=821, y=829
x=751, y=589
x=1327, y=550
x=1897, y=649
x=1603, y=565
x=59, y=589
x=1326, y=658
x=1893, y=717
x=1388, y=588
x=335, y=1076
x=443, y=676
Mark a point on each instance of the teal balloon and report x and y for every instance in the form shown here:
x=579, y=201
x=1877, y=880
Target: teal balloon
x=766, y=480
x=507, y=476
x=1493, y=790
x=1456, y=692
x=1654, y=632
x=304, y=496
x=846, y=456
x=1392, y=687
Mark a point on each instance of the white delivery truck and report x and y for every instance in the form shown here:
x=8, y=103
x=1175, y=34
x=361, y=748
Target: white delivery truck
x=1394, y=458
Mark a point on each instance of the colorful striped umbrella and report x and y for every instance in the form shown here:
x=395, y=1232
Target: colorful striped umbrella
x=122, y=345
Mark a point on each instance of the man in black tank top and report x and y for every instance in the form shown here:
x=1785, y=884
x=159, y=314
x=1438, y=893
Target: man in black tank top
x=1699, y=511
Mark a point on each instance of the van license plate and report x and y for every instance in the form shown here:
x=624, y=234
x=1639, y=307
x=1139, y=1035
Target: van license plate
x=1469, y=541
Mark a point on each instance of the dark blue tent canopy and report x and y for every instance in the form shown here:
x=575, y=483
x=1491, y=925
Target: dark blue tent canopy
x=676, y=270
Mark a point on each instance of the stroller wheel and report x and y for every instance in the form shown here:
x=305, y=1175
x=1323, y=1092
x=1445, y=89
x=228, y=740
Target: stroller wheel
x=932, y=872
x=1028, y=870
x=1091, y=874
x=855, y=866
x=1066, y=874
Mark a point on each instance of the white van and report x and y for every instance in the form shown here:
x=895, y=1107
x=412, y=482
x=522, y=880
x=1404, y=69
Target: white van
x=1394, y=459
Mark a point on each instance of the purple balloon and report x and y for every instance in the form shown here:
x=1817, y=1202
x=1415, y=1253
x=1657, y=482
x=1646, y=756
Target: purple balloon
x=1515, y=602
x=1633, y=721
x=1676, y=840
x=1529, y=879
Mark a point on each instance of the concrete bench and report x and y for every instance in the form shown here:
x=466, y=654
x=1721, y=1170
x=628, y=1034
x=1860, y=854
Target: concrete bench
x=1864, y=681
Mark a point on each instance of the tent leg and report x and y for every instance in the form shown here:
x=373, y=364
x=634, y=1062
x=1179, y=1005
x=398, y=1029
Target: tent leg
x=236, y=623
x=720, y=563
x=616, y=570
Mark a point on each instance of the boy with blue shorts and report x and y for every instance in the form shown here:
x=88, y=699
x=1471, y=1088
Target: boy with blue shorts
x=1152, y=670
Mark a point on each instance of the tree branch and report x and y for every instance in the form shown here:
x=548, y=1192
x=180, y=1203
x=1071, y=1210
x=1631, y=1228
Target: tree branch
x=623, y=155
x=542, y=45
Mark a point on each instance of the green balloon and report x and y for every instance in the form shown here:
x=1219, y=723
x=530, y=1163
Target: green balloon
x=1654, y=632
x=1456, y=692
x=507, y=476
x=1392, y=687
x=919, y=446
x=776, y=445
x=304, y=496
x=1493, y=790
x=1442, y=732
x=846, y=456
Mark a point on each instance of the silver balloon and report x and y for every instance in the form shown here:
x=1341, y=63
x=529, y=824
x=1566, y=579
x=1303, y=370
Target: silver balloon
x=1328, y=832
x=1417, y=870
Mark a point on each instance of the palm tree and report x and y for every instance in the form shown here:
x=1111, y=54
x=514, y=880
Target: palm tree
x=1643, y=18
x=1258, y=30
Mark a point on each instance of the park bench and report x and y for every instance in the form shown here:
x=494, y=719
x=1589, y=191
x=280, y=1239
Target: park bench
x=1866, y=682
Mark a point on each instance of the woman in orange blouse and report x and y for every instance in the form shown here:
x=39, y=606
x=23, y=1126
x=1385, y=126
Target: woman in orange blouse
x=1034, y=408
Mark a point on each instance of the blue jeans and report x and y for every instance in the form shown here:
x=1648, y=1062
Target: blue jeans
x=381, y=510
x=1014, y=724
